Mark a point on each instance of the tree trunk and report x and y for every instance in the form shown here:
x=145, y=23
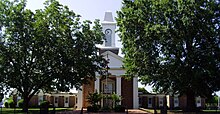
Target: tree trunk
x=25, y=104
x=190, y=105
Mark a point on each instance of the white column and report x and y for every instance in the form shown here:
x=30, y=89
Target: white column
x=79, y=99
x=135, y=93
x=118, y=86
x=97, y=84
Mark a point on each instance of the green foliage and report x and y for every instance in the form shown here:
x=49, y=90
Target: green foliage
x=10, y=102
x=20, y=103
x=47, y=49
x=6, y=104
x=1, y=96
x=44, y=104
x=116, y=98
x=172, y=44
x=213, y=99
x=119, y=108
x=94, y=98
x=143, y=90
x=94, y=108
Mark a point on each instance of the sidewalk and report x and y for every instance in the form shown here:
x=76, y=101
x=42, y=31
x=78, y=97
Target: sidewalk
x=130, y=111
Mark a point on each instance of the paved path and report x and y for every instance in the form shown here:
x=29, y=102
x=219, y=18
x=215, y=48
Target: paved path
x=130, y=111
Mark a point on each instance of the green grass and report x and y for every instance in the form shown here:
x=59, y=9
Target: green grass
x=30, y=110
x=150, y=110
x=211, y=111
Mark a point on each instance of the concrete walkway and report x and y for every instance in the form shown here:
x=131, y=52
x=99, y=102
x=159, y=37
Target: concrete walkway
x=130, y=111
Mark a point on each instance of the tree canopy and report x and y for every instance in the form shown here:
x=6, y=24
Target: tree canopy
x=173, y=45
x=49, y=49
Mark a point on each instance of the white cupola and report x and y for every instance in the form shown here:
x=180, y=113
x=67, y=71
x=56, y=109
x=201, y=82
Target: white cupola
x=108, y=28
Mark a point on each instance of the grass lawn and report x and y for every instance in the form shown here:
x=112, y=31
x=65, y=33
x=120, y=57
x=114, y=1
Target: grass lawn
x=211, y=111
x=31, y=110
x=150, y=110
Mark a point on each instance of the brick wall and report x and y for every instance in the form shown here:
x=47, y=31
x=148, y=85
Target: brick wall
x=87, y=88
x=61, y=101
x=34, y=101
x=72, y=101
x=127, y=92
x=183, y=101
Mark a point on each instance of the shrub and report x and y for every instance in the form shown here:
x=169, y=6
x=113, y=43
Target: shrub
x=119, y=108
x=94, y=108
x=20, y=103
x=94, y=98
x=44, y=104
x=106, y=109
x=6, y=104
x=11, y=103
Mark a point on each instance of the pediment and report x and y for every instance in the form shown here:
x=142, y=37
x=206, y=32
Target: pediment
x=115, y=61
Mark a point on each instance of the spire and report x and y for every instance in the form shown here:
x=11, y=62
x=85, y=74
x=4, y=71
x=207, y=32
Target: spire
x=108, y=16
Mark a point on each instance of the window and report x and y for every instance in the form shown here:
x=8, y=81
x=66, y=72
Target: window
x=198, y=102
x=56, y=100
x=149, y=100
x=108, y=37
x=176, y=102
x=109, y=88
x=161, y=101
x=66, y=100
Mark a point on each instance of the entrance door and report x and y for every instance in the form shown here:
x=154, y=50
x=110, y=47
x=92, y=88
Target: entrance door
x=66, y=101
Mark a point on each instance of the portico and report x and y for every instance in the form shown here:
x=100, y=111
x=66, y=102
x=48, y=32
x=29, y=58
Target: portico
x=115, y=82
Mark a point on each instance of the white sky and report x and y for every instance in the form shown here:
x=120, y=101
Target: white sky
x=90, y=10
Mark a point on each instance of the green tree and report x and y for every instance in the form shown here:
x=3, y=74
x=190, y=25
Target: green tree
x=173, y=45
x=49, y=49
x=143, y=90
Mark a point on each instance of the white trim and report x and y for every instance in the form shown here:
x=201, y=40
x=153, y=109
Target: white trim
x=97, y=84
x=176, y=101
x=135, y=93
x=56, y=102
x=110, y=83
x=112, y=54
x=80, y=99
x=68, y=101
x=160, y=101
x=198, y=102
x=118, y=86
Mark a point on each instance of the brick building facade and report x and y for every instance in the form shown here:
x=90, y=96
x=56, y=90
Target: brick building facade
x=115, y=81
x=172, y=102
x=57, y=99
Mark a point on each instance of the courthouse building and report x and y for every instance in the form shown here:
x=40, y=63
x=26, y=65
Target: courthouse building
x=115, y=82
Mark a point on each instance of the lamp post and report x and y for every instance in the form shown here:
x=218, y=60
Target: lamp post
x=106, y=80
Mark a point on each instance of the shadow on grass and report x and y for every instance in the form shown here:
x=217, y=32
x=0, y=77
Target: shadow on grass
x=30, y=110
